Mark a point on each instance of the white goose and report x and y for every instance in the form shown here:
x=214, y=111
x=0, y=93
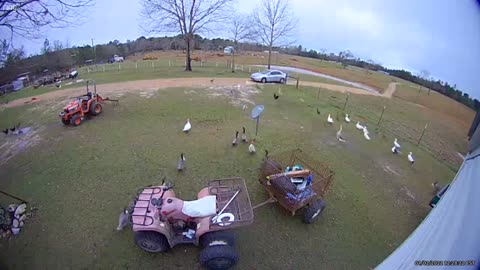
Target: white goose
x=347, y=118
x=411, y=159
x=251, y=147
x=366, y=136
x=365, y=130
x=329, y=119
x=394, y=150
x=397, y=145
x=244, y=136
x=358, y=126
x=339, y=135
x=187, y=126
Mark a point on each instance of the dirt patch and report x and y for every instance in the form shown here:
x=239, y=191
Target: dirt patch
x=12, y=145
x=239, y=95
x=148, y=86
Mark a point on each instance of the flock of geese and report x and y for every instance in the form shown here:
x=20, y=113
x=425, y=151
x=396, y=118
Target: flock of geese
x=396, y=146
x=251, y=147
x=243, y=137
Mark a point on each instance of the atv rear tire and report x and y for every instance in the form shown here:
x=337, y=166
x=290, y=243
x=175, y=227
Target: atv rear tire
x=218, y=257
x=218, y=238
x=76, y=120
x=96, y=108
x=313, y=211
x=151, y=241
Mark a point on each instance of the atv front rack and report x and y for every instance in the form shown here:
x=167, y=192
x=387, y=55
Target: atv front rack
x=142, y=202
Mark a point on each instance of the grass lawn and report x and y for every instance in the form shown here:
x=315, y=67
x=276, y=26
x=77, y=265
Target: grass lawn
x=80, y=178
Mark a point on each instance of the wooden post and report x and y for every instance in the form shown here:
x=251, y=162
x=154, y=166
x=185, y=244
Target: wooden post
x=318, y=94
x=423, y=132
x=298, y=80
x=381, y=116
x=346, y=101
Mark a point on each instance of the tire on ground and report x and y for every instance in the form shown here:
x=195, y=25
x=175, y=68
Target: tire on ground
x=218, y=257
x=151, y=241
x=264, y=80
x=217, y=238
x=65, y=122
x=313, y=211
x=282, y=80
x=96, y=108
x=76, y=120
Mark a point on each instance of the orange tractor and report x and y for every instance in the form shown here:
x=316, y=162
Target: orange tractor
x=89, y=104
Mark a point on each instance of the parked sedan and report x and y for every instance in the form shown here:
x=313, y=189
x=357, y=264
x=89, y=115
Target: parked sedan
x=267, y=76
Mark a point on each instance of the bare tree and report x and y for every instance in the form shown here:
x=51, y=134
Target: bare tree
x=27, y=18
x=239, y=30
x=424, y=75
x=344, y=57
x=275, y=23
x=189, y=17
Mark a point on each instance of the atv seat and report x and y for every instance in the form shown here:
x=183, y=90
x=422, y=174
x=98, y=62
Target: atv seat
x=203, y=207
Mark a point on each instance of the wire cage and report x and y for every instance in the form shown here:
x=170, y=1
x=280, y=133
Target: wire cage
x=283, y=191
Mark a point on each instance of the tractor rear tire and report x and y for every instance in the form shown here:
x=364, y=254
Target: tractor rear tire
x=65, y=122
x=76, y=120
x=217, y=238
x=151, y=241
x=313, y=211
x=96, y=108
x=218, y=257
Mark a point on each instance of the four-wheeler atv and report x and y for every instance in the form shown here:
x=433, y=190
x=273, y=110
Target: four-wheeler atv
x=161, y=221
x=295, y=181
x=89, y=104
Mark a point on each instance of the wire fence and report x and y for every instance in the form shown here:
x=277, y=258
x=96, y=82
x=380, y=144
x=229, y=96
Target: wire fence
x=380, y=119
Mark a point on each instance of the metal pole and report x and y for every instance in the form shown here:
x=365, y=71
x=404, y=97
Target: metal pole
x=318, y=94
x=423, y=132
x=346, y=101
x=256, y=126
x=298, y=80
x=9, y=195
x=94, y=53
x=381, y=116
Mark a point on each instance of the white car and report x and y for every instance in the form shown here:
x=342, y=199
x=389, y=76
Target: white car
x=267, y=76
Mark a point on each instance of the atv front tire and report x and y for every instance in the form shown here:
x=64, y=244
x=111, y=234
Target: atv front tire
x=150, y=241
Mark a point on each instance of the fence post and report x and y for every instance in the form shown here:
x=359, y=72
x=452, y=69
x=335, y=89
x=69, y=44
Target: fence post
x=249, y=69
x=318, y=94
x=381, y=115
x=242, y=67
x=346, y=101
x=88, y=70
x=216, y=64
x=423, y=132
x=136, y=65
x=169, y=63
x=298, y=80
x=119, y=67
x=103, y=68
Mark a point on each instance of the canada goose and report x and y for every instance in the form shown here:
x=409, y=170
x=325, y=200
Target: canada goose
x=235, y=140
x=244, y=136
x=181, y=162
x=318, y=111
x=275, y=96
x=122, y=220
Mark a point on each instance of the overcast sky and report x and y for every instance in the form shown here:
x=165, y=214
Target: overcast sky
x=441, y=36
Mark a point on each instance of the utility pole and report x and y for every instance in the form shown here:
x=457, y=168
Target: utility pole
x=94, y=54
